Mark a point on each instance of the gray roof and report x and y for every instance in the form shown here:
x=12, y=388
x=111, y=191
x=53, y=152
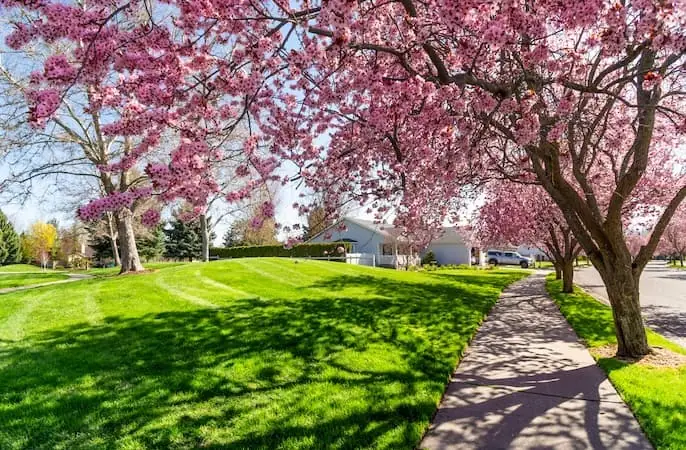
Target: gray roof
x=450, y=234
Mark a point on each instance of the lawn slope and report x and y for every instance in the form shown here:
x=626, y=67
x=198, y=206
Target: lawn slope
x=657, y=396
x=13, y=268
x=252, y=353
x=11, y=280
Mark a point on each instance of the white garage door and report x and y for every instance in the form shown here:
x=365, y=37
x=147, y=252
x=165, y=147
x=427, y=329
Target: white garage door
x=450, y=253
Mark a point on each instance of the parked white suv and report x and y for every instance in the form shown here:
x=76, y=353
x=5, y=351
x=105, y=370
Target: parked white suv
x=499, y=257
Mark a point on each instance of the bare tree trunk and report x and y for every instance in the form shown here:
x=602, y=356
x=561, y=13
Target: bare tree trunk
x=622, y=290
x=568, y=276
x=113, y=240
x=130, y=261
x=205, y=236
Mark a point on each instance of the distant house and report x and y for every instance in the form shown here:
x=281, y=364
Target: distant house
x=383, y=245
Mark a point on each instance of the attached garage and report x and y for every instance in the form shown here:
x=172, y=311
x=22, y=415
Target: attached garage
x=451, y=253
x=451, y=248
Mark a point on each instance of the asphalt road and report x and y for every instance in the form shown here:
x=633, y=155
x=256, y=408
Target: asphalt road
x=663, y=297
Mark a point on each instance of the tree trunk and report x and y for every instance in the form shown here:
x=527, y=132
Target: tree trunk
x=568, y=276
x=205, y=236
x=113, y=240
x=558, y=271
x=623, y=292
x=681, y=258
x=130, y=261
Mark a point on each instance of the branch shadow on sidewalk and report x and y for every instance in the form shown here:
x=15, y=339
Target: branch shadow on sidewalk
x=527, y=382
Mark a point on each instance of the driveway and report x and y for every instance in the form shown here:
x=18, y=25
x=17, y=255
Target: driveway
x=663, y=297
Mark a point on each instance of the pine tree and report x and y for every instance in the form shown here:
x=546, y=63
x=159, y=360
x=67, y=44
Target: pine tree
x=3, y=246
x=26, y=250
x=183, y=240
x=13, y=248
x=233, y=236
x=10, y=247
x=152, y=246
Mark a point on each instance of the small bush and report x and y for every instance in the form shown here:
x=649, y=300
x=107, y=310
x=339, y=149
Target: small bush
x=429, y=259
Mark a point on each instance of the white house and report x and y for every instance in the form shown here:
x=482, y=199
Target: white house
x=383, y=245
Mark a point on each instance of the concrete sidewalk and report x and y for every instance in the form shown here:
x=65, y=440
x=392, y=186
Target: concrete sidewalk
x=527, y=382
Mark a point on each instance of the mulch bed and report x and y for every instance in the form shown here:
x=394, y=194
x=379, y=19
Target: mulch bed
x=660, y=357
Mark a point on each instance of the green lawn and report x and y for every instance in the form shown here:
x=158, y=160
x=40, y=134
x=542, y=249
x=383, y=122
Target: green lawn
x=20, y=268
x=245, y=354
x=112, y=271
x=657, y=396
x=10, y=280
x=677, y=265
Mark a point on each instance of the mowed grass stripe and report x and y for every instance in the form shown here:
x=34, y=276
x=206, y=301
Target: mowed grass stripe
x=177, y=291
x=238, y=293
x=12, y=328
x=300, y=277
x=11, y=280
x=78, y=307
x=90, y=305
x=255, y=267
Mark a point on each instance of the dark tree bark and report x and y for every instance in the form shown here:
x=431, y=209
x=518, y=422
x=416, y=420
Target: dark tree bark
x=563, y=250
x=623, y=294
x=130, y=261
x=568, y=276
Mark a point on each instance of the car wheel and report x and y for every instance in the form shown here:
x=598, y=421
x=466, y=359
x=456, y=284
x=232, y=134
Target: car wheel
x=493, y=262
x=524, y=264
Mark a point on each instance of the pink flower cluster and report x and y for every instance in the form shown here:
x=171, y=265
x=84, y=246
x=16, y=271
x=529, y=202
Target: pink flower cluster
x=58, y=69
x=43, y=105
x=95, y=209
x=150, y=218
x=527, y=129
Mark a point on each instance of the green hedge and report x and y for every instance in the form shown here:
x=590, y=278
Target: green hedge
x=303, y=250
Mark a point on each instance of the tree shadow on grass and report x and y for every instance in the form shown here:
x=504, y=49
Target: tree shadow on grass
x=341, y=372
